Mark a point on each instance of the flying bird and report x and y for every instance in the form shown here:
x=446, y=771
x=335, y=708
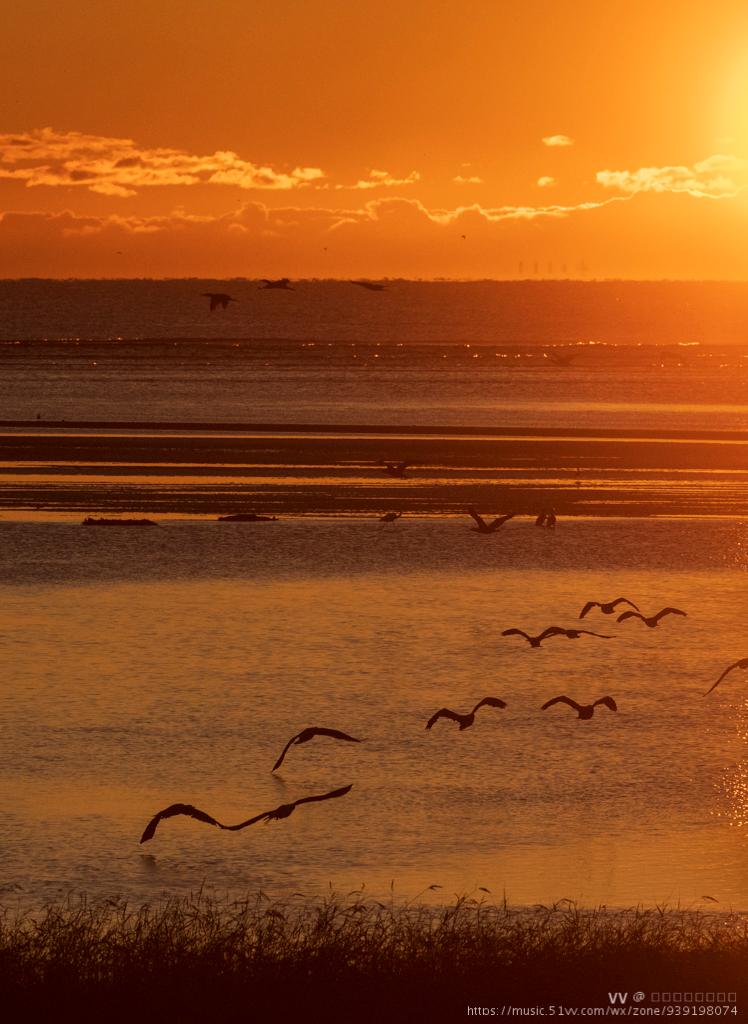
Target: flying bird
x=483, y=526
x=396, y=468
x=170, y=812
x=218, y=299
x=606, y=607
x=287, y=809
x=389, y=517
x=308, y=734
x=282, y=282
x=570, y=634
x=193, y=812
x=371, y=285
x=465, y=721
x=742, y=664
x=653, y=619
x=584, y=711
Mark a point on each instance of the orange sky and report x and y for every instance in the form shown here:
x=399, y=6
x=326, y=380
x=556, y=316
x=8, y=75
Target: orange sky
x=327, y=138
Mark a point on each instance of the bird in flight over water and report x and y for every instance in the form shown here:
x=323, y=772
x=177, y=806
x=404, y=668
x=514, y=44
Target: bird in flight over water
x=282, y=282
x=570, y=634
x=584, y=711
x=465, y=721
x=606, y=607
x=308, y=734
x=193, y=812
x=652, y=620
x=742, y=664
x=218, y=299
x=484, y=527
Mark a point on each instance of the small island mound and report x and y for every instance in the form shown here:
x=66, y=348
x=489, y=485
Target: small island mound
x=94, y=521
x=247, y=517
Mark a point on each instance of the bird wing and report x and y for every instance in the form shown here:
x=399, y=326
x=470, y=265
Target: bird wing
x=170, y=812
x=479, y=520
x=554, y=631
x=517, y=632
x=500, y=520
x=335, y=733
x=490, y=702
x=560, y=700
x=332, y=795
x=738, y=664
x=608, y=702
x=624, y=600
x=667, y=611
x=279, y=762
x=603, y=636
x=444, y=713
x=588, y=608
x=629, y=615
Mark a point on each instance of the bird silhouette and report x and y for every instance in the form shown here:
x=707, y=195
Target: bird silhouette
x=389, y=517
x=742, y=664
x=193, y=812
x=396, y=468
x=282, y=282
x=584, y=711
x=465, y=721
x=484, y=527
x=170, y=812
x=371, y=285
x=652, y=620
x=308, y=734
x=218, y=299
x=606, y=607
x=570, y=634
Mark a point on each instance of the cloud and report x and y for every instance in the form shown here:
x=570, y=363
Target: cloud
x=546, y=182
x=119, y=167
x=718, y=177
x=557, y=140
x=382, y=179
x=473, y=179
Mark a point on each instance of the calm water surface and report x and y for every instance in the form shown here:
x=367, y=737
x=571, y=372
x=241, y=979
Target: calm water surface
x=147, y=667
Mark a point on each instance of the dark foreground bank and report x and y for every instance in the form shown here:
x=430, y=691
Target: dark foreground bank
x=354, y=959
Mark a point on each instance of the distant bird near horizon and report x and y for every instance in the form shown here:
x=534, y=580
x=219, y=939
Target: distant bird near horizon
x=651, y=620
x=390, y=517
x=218, y=299
x=584, y=711
x=308, y=734
x=742, y=664
x=193, y=812
x=283, y=283
x=371, y=285
x=484, y=527
x=570, y=634
x=607, y=607
x=396, y=469
x=465, y=721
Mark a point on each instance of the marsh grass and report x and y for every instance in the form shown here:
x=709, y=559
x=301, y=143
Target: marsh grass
x=351, y=958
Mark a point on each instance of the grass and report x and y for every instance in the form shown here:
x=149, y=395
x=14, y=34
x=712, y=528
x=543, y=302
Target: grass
x=351, y=958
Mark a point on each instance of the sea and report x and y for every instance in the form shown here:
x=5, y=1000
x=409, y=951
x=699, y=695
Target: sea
x=144, y=667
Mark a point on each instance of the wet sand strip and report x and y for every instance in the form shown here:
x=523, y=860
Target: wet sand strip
x=332, y=472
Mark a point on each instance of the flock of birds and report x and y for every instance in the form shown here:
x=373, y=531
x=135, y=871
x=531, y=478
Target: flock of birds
x=464, y=720
x=222, y=299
